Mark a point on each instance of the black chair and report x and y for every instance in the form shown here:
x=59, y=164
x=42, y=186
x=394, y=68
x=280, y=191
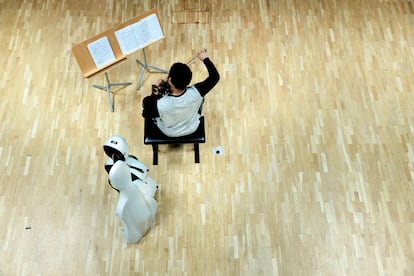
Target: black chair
x=153, y=136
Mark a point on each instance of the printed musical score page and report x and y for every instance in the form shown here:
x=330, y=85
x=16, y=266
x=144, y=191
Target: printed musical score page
x=101, y=52
x=138, y=35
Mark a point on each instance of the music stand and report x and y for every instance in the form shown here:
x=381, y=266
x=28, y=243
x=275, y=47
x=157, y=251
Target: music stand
x=111, y=47
x=107, y=88
x=145, y=66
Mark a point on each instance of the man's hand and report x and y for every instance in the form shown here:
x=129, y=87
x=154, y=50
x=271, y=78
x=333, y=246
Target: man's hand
x=158, y=82
x=202, y=54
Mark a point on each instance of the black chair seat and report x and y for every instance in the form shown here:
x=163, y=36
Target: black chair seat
x=153, y=136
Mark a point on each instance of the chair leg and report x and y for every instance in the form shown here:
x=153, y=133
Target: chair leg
x=196, y=153
x=155, y=154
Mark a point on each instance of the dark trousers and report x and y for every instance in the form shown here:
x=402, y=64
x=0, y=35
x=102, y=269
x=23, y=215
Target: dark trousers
x=149, y=107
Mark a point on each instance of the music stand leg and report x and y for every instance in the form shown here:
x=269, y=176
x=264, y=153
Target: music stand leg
x=144, y=66
x=107, y=88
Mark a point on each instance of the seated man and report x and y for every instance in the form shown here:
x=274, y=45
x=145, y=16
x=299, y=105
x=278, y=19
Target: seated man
x=176, y=110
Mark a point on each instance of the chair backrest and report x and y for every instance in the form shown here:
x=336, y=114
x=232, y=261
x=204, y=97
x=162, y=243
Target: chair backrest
x=136, y=208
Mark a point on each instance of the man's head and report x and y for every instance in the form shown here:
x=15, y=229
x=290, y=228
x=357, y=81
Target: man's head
x=180, y=75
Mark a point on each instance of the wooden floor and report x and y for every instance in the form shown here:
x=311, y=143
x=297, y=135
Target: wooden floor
x=314, y=113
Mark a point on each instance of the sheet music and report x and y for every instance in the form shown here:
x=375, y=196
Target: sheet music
x=101, y=52
x=152, y=28
x=138, y=35
x=127, y=40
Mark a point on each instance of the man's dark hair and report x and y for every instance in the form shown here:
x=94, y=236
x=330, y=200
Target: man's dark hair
x=180, y=75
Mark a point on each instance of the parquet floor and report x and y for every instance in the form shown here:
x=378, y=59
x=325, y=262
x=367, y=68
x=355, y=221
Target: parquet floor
x=314, y=112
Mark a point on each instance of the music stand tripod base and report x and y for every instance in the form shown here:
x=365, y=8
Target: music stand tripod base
x=107, y=88
x=144, y=66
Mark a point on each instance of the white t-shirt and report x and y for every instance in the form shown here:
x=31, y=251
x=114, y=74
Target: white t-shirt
x=179, y=114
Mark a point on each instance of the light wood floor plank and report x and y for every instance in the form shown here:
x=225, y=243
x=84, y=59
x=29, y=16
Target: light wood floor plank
x=313, y=113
